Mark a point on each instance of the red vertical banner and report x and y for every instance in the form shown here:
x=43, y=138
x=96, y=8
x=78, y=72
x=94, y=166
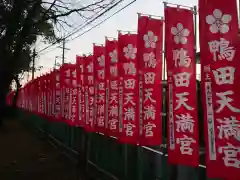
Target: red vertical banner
x=35, y=94
x=74, y=92
x=40, y=83
x=100, y=86
x=20, y=98
x=45, y=95
x=62, y=90
x=39, y=95
x=89, y=93
x=78, y=60
x=111, y=58
x=65, y=81
x=42, y=96
x=150, y=41
x=183, y=145
x=81, y=98
x=88, y=68
x=220, y=77
x=52, y=89
x=26, y=96
x=72, y=95
x=128, y=88
x=34, y=89
x=50, y=100
x=10, y=97
x=31, y=95
x=57, y=95
x=48, y=96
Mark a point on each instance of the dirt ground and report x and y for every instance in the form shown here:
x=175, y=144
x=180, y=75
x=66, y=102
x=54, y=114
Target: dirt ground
x=24, y=156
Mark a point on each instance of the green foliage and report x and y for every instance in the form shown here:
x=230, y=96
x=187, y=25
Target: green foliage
x=22, y=22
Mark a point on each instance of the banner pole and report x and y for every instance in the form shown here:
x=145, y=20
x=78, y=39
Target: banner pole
x=164, y=104
x=139, y=148
x=195, y=55
x=238, y=12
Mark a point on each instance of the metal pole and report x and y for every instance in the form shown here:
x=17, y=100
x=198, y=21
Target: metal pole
x=195, y=53
x=63, y=47
x=164, y=114
x=238, y=11
x=139, y=148
x=107, y=96
x=63, y=51
x=195, y=31
x=28, y=74
x=33, y=65
x=55, y=62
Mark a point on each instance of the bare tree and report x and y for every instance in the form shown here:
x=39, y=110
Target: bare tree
x=23, y=21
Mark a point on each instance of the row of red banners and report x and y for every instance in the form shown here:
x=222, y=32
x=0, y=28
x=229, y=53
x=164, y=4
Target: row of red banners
x=117, y=91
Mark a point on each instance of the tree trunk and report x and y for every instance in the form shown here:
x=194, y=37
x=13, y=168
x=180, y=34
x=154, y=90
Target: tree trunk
x=5, y=81
x=14, y=101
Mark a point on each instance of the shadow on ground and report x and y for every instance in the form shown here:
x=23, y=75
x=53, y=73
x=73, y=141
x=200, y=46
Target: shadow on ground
x=23, y=156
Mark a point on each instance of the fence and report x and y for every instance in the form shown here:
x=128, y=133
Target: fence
x=107, y=159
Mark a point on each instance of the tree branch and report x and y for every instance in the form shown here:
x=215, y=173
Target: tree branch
x=54, y=4
x=24, y=32
x=51, y=6
x=74, y=10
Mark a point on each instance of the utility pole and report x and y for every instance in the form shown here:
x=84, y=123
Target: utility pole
x=55, y=62
x=33, y=63
x=28, y=75
x=63, y=49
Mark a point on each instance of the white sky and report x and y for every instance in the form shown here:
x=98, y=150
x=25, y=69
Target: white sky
x=125, y=20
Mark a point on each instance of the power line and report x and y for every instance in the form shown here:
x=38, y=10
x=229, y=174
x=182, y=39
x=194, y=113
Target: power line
x=82, y=26
x=63, y=50
x=48, y=48
x=75, y=29
x=104, y=20
x=87, y=23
